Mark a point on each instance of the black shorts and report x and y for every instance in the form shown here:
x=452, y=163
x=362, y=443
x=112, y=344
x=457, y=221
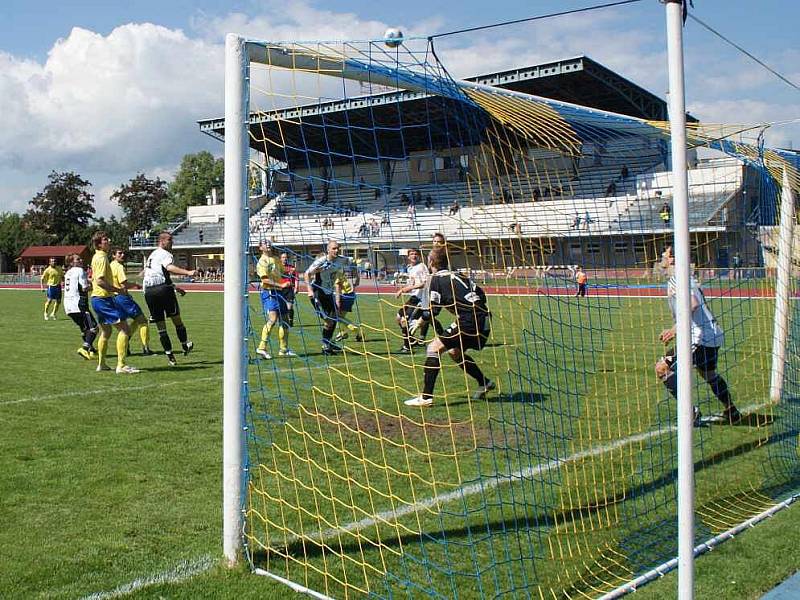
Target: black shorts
x=84, y=320
x=704, y=358
x=462, y=338
x=407, y=309
x=325, y=305
x=162, y=302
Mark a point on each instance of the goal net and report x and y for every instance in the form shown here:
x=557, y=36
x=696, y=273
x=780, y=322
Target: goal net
x=552, y=473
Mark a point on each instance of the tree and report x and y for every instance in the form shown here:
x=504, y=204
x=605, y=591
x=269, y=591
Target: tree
x=61, y=212
x=198, y=173
x=140, y=200
x=15, y=236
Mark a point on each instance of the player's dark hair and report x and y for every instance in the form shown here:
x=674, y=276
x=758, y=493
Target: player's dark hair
x=438, y=259
x=97, y=238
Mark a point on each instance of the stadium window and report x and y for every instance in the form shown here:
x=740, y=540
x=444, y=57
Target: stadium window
x=575, y=249
x=620, y=247
x=438, y=163
x=592, y=248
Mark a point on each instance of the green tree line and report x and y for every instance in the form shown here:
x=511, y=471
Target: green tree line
x=63, y=212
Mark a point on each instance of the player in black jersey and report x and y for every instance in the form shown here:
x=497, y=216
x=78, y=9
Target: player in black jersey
x=459, y=295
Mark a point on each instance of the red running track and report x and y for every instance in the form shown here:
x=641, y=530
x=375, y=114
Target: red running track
x=368, y=288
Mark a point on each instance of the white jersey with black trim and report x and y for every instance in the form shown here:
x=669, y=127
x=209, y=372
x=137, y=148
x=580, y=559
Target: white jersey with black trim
x=705, y=329
x=324, y=272
x=76, y=285
x=155, y=268
x=419, y=274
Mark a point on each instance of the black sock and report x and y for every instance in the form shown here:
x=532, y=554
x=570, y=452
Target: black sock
x=406, y=340
x=671, y=383
x=181, y=331
x=423, y=329
x=88, y=337
x=432, y=367
x=720, y=389
x=327, y=334
x=472, y=369
x=291, y=317
x=166, y=343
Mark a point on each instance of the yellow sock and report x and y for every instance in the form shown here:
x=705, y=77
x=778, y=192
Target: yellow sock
x=283, y=337
x=102, y=349
x=265, y=335
x=144, y=334
x=352, y=327
x=47, y=304
x=122, y=347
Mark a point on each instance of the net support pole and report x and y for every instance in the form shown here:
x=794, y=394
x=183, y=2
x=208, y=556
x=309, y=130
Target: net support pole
x=235, y=366
x=683, y=320
x=782, y=290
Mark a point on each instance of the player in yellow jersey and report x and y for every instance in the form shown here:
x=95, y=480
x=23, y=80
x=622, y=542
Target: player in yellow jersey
x=270, y=270
x=344, y=286
x=127, y=306
x=52, y=277
x=108, y=314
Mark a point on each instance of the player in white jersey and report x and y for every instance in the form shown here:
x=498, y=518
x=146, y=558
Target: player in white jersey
x=76, y=305
x=323, y=290
x=707, y=337
x=159, y=294
x=417, y=302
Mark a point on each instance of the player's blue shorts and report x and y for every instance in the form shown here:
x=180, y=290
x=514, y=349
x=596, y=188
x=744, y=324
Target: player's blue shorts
x=54, y=292
x=274, y=302
x=346, y=302
x=127, y=307
x=106, y=310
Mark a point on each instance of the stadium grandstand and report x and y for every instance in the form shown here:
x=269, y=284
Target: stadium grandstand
x=591, y=210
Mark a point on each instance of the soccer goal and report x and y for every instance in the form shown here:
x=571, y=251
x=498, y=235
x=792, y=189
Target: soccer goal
x=559, y=479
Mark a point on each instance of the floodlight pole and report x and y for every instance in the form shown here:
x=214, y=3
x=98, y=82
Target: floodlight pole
x=683, y=307
x=235, y=367
x=782, y=289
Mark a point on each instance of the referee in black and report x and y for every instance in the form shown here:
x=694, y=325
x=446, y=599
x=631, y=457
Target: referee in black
x=470, y=331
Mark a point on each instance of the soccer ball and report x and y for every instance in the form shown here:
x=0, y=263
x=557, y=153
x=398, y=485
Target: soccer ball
x=393, y=37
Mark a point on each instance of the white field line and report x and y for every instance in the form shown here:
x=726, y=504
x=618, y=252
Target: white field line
x=183, y=571
x=491, y=483
x=189, y=569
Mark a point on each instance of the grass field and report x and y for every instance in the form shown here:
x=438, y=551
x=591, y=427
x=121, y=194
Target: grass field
x=110, y=480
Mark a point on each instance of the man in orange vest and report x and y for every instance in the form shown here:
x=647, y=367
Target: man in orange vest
x=581, y=278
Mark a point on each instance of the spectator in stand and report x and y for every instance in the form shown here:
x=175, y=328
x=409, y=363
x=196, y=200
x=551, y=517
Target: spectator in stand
x=611, y=190
x=412, y=215
x=624, y=172
x=200, y=235
x=454, y=208
x=363, y=231
x=309, y=192
x=536, y=194
x=515, y=228
x=428, y=201
x=576, y=222
x=665, y=213
x=587, y=220
x=404, y=199
x=374, y=226
x=377, y=194
x=361, y=184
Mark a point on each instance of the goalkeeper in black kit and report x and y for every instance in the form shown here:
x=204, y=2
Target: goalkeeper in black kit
x=459, y=295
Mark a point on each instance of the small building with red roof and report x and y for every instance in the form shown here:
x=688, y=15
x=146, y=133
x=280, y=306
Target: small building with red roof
x=38, y=257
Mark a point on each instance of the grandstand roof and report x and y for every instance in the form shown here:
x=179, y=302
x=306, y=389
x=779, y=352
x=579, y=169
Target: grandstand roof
x=333, y=126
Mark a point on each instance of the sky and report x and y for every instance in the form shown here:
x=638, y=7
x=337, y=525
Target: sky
x=112, y=89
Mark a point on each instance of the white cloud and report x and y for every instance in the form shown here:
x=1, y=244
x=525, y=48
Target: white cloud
x=109, y=106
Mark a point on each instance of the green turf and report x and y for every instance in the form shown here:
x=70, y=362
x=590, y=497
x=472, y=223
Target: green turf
x=110, y=479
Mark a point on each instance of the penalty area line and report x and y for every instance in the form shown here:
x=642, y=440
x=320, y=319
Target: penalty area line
x=181, y=572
